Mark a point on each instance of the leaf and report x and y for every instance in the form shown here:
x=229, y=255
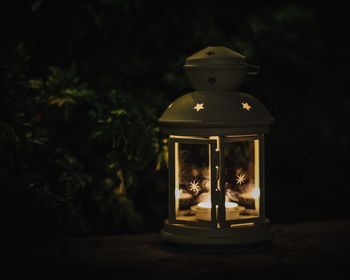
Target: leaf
x=61, y=101
x=121, y=189
x=97, y=133
x=119, y=112
x=36, y=84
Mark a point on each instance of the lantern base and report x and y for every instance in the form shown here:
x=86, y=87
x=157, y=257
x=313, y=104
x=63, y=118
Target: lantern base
x=236, y=235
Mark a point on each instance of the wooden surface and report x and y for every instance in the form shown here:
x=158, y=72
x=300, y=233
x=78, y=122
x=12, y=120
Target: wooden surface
x=314, y=250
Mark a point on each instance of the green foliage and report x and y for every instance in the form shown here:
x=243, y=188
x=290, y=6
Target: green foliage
x=77, y=156
x=74, y=154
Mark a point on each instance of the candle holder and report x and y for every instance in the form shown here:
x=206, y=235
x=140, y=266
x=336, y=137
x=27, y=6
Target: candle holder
x=216, y=155
x=203, y=213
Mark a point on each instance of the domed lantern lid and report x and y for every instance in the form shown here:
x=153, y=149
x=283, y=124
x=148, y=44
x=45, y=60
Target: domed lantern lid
x=216, y=107
x=215, y=56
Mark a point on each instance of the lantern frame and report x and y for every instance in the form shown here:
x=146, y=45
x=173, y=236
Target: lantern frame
x=213, y=160
x=261, y=174
x=216, y=114
x=217, y=166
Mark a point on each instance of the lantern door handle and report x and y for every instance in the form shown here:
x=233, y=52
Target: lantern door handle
x=218, y=169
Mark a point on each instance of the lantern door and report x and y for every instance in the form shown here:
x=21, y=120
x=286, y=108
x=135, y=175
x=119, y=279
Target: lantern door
x=193, y=192
x=241, y=180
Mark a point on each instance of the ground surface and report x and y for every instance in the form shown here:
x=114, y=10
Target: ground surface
x=298, y=251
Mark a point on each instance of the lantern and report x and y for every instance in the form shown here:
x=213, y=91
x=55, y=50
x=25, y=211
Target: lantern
x=216, y=155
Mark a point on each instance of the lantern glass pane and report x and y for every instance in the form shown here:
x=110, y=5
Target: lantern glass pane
x=241, y=177
x=192, y=182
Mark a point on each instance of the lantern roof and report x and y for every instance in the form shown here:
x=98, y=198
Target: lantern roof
x=216, y=107
x=215, y=56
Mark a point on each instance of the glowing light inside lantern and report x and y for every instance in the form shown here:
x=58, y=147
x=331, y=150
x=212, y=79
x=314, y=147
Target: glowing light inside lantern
x=177, y=193
x=207, y=204
x=255, y=193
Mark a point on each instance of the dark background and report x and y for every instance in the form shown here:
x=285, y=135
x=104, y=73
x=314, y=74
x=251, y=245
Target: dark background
x=83, y=83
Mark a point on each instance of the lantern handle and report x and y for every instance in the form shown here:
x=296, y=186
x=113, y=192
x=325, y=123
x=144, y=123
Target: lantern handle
x=252, y=69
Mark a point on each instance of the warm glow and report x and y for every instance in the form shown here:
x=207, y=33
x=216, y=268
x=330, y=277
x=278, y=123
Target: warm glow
x=177, y=193
x=246, y=106
x=255, y=193
x=207, y=204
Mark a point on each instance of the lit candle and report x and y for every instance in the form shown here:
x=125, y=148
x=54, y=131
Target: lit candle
x=207, y=205
x=203, y=210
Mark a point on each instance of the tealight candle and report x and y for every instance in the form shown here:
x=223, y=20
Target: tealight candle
x=207, y=204
x=203, y=210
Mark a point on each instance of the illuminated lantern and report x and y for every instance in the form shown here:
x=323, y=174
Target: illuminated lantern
x=216, y=155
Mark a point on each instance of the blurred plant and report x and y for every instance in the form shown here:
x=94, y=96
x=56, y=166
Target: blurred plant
x=69, y=150
x=75, y=157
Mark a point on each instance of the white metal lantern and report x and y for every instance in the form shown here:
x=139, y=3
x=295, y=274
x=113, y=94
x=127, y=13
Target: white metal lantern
x=216, y=155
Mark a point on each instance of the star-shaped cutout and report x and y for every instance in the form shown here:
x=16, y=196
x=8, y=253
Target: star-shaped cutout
x=210, y=53
x=212, y=80
x=199, y=106
x=246, y=106
x=194, y=186
x=240, y=178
